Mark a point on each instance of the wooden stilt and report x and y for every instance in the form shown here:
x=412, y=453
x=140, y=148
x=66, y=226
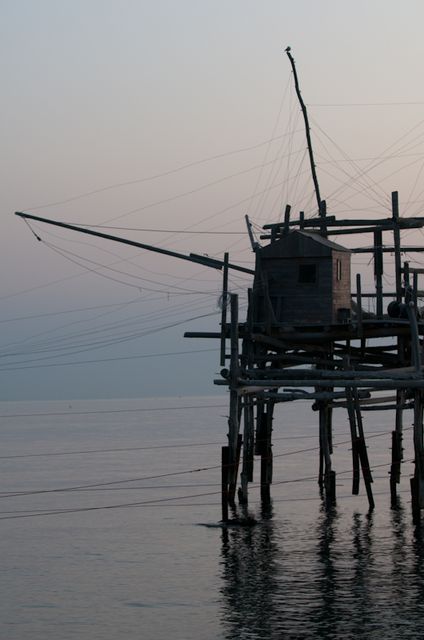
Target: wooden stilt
x=418, y=493
x=225, y=461
x=224, y=303
x=415, y=501
x=321, y=467
x=359, y=449
x=378, y=270
x=354, y=439
x=266, y=454
x=397, y=450
x=233, y=472
x=362, y=451
x=234, y=441
x=329, y=474
x=395, y=466
x=248, y=450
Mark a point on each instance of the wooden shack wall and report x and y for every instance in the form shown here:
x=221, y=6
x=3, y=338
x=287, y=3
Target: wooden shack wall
x=296, y=298
x=295, y=302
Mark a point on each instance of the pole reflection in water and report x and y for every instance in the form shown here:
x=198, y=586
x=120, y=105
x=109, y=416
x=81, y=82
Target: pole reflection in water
x=250, y=572
x=323, y=574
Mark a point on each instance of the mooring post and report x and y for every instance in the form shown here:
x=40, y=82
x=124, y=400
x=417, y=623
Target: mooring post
x=266, y=453
x=234, y=466
x=225, y=464
x=417, y=482
x=329, y=475
x=354, y=439
x=263, y=446
x=248, y=412
x=397, y=449
x=234, y=443
x=248, y=450
x=321, y=466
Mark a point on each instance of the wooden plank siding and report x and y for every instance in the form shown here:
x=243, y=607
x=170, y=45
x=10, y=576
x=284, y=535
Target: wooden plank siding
x=303, y=278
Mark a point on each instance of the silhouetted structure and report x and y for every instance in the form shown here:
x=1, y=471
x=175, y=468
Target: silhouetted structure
x=306, y=336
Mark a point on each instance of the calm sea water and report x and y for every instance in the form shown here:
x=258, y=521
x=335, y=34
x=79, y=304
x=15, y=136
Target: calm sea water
x=109, y=529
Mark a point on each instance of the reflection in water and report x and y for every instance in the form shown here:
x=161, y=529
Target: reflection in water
x=339, y=576
x=324, y=616
x=250, y=579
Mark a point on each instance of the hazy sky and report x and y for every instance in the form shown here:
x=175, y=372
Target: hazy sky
x=158, y=115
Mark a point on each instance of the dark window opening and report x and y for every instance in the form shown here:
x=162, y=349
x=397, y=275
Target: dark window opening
x=307, y=273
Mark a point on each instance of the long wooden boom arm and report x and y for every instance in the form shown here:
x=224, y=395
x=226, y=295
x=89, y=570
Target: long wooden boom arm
x=192, y=257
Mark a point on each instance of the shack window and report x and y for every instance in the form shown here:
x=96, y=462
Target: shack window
x=338, y=269
x=307, y=273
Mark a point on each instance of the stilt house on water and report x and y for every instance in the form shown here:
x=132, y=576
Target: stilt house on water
x=307, y=337
x=302, y=277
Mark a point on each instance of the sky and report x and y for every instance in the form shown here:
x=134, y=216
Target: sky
x=167, y=122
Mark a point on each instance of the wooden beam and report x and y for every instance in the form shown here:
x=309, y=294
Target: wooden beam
x=193, y=257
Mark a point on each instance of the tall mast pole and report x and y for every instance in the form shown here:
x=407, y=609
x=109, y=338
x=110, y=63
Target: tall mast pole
x=321, y=206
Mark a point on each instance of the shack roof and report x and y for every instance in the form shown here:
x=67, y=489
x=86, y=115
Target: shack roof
x=301, y=243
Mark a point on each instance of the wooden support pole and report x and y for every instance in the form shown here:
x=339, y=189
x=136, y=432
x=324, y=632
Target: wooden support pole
x=396, y=242
x=397, y=449
x=359, y=304
x=224, y=302
x=234, y=417
x=415, y=288
x=287, y=219
x=362, y=451
x=366, y=471
x=359, y=449
x=329, y=476
x=266, y=454
x=354, y=439
x=248, y=450
x=415, y=338
x=321, y=467
x=225, y=463
x=378, y=270
x=395, y=466
x=406, y=274
x=233, y=473
x=418, y=489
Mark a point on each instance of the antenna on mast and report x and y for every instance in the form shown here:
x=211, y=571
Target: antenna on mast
x=321, y=203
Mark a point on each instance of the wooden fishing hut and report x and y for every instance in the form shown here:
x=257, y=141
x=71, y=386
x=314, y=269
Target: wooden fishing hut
x=306, y=336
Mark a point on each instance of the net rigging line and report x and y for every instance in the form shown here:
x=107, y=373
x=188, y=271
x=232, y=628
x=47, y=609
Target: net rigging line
x=370, y=184
x=183, y=194
x=23, y=366
x=59, y=344
x=172, y=311
x=160, y=501
x=13, y=494
x=30, y=345
x=156, y=176
x=68, y=414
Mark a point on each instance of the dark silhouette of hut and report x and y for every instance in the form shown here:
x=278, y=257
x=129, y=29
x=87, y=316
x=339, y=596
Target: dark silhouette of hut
x=302, y=278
